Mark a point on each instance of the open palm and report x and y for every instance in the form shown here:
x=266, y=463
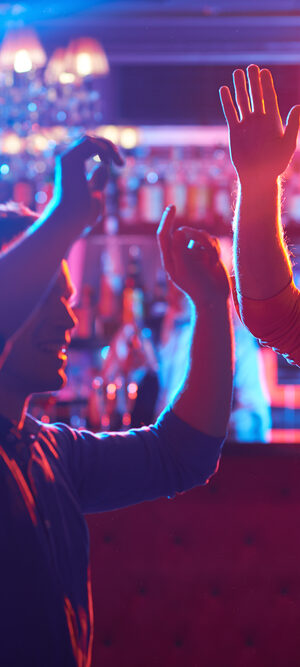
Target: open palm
x=259, y=145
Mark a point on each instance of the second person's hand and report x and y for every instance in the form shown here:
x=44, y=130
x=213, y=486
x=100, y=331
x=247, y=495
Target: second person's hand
x=260, y=147
x=191, y=258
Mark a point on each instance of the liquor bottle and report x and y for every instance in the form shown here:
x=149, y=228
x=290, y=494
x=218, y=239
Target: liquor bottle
x=23, y=193
x=292, y=194
x=176, y=188
x=158, y=305
x=112, y=195
x=128, y=192
x=221, y=203
x=222, y=177
x=84, y=313
x=151, y=193
x=199, y=192
x=110, y=289
x=95, y=404
x=133, y=292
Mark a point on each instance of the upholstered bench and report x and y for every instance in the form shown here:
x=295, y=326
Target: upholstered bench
x=210, y=579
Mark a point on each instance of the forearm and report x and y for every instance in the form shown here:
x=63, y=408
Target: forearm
x=27, y=270
x=261, y=259
x=204, y=400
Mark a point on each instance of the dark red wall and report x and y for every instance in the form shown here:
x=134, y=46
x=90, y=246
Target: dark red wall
x=210, y=579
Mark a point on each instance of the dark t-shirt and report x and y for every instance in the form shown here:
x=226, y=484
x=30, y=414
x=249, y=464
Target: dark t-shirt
x=49, y=477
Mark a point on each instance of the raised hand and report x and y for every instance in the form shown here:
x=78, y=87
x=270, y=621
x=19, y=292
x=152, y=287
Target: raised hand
x=76, y=195
x=191, y=258
x=260, y=147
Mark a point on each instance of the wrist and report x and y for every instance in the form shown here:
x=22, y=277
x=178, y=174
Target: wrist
x=54, y=220
x=217, y=305
x=256, y=181
x=67, y=222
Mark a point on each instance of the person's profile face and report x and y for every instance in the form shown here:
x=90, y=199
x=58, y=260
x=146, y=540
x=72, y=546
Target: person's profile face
x=37, y=360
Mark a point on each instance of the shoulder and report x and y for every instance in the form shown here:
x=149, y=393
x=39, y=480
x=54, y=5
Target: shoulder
x=58, y=437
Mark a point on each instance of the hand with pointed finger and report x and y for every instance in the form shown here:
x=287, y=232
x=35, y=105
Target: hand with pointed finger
x=260, y=146
x=77, y=196
x=191, y=258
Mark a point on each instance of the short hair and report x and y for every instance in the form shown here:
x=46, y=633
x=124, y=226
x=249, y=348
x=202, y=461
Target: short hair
x=15, y=219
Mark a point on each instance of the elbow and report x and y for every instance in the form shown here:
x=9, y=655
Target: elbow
x=198, y=477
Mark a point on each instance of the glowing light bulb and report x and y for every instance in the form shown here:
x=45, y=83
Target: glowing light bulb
x=111, y=391
x=84, y=64
x=11, y=144
x=66, y=77
x=129, y=137
x=22, y=62
x=132, y=388
x=126, y=419
x=105, y=421
x=110, y=132
x=132, y=391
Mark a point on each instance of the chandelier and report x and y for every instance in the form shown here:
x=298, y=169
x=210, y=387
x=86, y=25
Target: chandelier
x=45, y=103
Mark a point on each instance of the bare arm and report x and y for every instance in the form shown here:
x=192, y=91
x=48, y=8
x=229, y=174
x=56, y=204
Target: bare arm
x=260, y=151
x=204, y=400
x=28, y=268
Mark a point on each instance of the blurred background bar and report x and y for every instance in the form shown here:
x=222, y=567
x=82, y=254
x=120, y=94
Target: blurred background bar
x=146, y=75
